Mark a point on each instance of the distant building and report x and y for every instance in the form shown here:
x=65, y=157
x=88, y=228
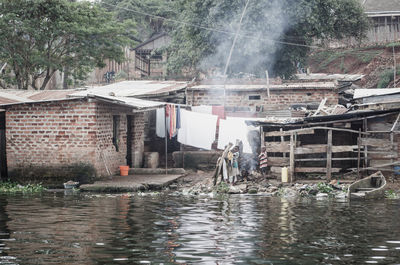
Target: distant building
x=385, y=18
x=148, y=60
x=256, y=99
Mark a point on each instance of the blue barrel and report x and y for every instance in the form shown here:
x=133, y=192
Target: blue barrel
x=396, y=170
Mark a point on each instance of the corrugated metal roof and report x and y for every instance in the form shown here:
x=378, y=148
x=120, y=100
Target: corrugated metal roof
x=310, y=85
x=134, y=88
x=322, y=76
x=12, y=97
x=135, y=103
x=363, y=93
x=8, y=96
x=372, y=7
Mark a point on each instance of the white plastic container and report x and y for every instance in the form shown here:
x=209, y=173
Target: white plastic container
x=284, y=174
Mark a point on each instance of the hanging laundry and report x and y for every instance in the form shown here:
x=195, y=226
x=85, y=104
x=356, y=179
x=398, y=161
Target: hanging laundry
x=160, y=122
x=171, y=120
x=219, y=111
x=197, y=129
x=233, y=129
x=178, y=117
x=202, y=109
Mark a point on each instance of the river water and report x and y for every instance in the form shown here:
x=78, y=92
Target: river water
x=84, y=228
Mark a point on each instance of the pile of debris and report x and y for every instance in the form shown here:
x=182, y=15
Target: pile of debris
x=328, y=110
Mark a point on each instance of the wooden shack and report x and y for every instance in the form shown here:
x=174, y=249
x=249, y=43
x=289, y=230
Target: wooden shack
x=323, y=146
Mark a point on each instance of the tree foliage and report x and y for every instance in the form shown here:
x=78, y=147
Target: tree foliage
x=40, y=37
x=148, y=15
x=275, y=35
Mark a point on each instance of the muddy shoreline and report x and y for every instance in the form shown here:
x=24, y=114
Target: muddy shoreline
x=201, y=182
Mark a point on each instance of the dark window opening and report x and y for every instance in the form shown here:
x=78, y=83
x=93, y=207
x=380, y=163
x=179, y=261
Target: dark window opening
x=254, y=97
x=115, y=138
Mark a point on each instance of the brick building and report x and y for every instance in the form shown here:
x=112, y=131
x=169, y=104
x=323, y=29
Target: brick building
x=259, y=99
x=103, y=131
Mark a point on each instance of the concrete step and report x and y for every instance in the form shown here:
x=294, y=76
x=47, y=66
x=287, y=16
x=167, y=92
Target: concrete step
x=156, y=171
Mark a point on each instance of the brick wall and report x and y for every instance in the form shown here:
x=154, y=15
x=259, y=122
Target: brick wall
x=279, y=99
x=70, y=132
x=50, y=133
x=138, y=135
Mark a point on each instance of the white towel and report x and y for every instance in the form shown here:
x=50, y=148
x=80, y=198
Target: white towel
x=233, y=129
x=202, y=109
x=160, y=122
x=197, y=129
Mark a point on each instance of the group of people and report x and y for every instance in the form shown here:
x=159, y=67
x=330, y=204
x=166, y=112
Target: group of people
x=230, y=167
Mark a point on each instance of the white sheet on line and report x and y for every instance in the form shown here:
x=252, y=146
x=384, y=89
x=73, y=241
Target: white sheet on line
x=197, y=129
x=233, y=129
x=202, y=109
x=160, y=122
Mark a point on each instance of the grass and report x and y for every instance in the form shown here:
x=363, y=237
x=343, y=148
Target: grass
x=391, y=194
x=13, y=187
x=328, y=57
x=386, y=77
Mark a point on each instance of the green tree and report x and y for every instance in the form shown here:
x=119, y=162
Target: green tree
x=275, y=35
x=40, y=37
x=148, y=15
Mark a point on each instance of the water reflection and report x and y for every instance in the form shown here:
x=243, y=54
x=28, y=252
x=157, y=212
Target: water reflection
x=58, y=228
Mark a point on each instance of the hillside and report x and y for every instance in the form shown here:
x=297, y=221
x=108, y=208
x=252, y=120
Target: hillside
x=376, y=63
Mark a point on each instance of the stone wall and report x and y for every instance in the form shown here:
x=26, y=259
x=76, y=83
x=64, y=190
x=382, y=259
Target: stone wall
x=279, y=99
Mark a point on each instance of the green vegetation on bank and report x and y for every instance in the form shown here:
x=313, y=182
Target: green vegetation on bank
x=335, y=58
x=386, y=77
x=13, y=187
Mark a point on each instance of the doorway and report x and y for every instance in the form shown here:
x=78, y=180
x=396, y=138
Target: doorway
x=129, y=140
x=3, y=156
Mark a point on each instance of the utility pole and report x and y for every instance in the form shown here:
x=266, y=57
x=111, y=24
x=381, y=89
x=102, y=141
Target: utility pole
x=233, y=46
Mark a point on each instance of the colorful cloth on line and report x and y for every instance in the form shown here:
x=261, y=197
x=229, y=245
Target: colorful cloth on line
x=263, y=159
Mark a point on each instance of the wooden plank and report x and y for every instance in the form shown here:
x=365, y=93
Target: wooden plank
x=324, y=159
x=287, y=133
x=387, y=156
x=308, y=131
x=278, y=161
x=282, y=140
x=329, y=156
x=365, y=125
x=277, y=147
x=321, y=148
x=276, y=170
x=315, y=170
x=291, y=158
x=375, y=142
x=358, y=154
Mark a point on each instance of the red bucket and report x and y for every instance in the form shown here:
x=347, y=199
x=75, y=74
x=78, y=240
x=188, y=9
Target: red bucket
x=124, y=170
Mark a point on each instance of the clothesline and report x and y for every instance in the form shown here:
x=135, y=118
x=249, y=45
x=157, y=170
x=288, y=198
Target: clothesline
x=198, y=127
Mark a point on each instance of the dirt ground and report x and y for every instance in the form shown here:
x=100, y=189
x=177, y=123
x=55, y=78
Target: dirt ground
x=369, y=61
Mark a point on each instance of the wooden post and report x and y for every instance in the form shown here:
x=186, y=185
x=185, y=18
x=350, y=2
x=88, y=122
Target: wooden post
x=329, y=156
x=291, y=158
x=365, y=147
x=282, y=140
x=166, y=141
x=358, y=153
x=392, y=149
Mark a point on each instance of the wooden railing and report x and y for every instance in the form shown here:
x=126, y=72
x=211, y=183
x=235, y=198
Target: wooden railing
x=143, y=65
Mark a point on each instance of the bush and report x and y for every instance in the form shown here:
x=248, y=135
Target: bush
x=324, y=188
x=13, y=187
x=386, y=77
